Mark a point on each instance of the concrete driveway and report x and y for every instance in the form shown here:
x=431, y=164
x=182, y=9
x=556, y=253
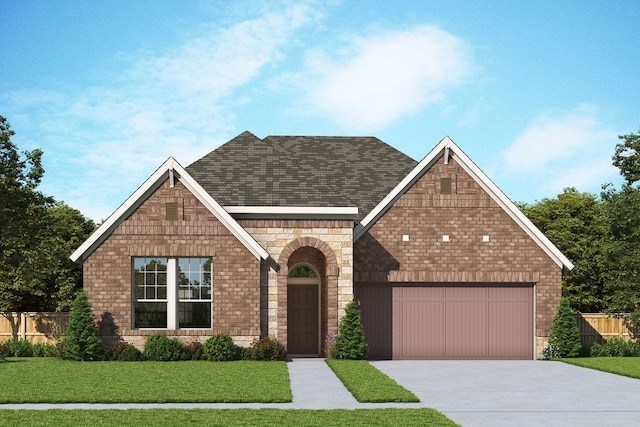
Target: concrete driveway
x=519, y=393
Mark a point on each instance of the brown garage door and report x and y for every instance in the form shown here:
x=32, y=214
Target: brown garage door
x=447, y=322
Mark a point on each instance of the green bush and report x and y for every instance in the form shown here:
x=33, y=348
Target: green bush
x=44, y=349
x=4, y=351
x=20, y=348
x=267, y=349
x=351, y=343
x=124, y=352
x=565, y=335
x=220, y=348
x=82, y=338
x=616, y=347
x=243, y=353
x=163, y=349
x=194, y=350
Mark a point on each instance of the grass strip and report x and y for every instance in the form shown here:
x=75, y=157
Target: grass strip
x=227, y=417
x=368, y=384
x=627, y=366
x=50, y=380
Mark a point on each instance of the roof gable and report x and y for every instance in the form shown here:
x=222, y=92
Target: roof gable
x=171, y=170
x=449, y=149
x=302, y=171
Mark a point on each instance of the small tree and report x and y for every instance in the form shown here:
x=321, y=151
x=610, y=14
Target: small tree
x=565, y=335
x=82, y=340
x=350, y=343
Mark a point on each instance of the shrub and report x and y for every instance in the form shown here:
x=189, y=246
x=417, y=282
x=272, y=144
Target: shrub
x=243, y=353
x=351, y=343
x=194, y=351
x=44, y=349
x=565, y=334
x=220, y=348
x=163, y=349
x=616, y=347
x=124, y=352
x=82, y=339
x=267, y=349
x=20, y=348
x=4, y=351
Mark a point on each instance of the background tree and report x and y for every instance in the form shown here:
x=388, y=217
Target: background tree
x=627, y=157
x=37, y=235
x=577, y=224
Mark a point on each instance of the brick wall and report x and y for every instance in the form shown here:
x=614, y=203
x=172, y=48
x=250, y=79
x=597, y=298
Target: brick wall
x=423, y=215
x=197, y=233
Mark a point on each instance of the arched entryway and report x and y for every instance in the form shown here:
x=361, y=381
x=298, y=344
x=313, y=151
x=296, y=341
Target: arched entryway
x=318, y=257
x=303, y=311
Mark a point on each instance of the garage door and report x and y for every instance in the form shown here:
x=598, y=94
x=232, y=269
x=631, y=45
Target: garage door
x=447, y=322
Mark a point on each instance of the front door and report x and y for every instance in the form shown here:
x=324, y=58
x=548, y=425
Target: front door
x=302, y=319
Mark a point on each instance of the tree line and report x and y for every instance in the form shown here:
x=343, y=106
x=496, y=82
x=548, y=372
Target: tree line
x=37, y=235
x=600, y=234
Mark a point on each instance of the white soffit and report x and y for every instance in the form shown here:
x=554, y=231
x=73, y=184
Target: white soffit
x=293, y=212
x=449, y=149
x=172, y=170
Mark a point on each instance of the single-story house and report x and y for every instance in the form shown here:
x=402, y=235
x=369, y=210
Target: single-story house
x=274, y=236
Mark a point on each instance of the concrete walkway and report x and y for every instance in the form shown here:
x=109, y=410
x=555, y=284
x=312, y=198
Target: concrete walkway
x=472, y=393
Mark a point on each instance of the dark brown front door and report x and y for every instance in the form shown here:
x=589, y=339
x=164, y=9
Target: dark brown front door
x=302, y=319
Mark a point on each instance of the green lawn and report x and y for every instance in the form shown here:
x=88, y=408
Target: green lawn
x=228, y=417
x=368, y=384
x=627, y=366
x=50, y=380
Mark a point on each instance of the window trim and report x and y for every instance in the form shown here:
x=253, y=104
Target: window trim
x=173, y=299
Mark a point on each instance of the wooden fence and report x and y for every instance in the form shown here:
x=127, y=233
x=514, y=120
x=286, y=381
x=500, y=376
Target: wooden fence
x=33, y=327
x=599, y=327
x=48, y=327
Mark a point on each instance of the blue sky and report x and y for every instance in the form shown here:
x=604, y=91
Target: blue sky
x=534, y=92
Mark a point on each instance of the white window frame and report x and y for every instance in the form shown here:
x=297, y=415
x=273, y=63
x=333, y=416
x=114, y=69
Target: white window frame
x=172, y=300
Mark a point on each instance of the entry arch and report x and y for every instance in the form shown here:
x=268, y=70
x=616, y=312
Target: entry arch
x=319, y=255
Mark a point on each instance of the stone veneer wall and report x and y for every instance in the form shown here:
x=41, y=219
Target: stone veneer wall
x=196, y=233
x=424, y=214
x=281, y=239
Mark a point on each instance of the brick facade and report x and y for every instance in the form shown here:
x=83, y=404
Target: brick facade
x=407, y=243
x=196, y=233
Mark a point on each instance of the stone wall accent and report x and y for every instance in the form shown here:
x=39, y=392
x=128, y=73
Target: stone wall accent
x=196, y=232
x=292, y=241
x=407, y=243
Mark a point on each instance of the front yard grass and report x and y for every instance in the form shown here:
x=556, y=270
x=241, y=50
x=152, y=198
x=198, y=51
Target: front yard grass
x=228, y=417
x=627, y=366
x=51, y=380
x=368, y=384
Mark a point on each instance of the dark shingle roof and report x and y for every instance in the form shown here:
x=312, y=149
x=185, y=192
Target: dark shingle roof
x=302, y=171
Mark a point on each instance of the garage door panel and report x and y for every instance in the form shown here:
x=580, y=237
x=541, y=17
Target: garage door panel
x=417, y=331
x=510, y=329
x=466, y=329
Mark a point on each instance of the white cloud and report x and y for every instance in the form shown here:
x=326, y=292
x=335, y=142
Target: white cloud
x=170, y=104
x=571, y=149
x=378, y=79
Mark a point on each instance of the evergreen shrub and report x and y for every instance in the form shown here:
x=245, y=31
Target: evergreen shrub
x=43, y=349
x=163, y=349
x=616, y=347
x=267, y=349
x=564, y=340
x=351, y=343
x=220, y=348
x=82, y=341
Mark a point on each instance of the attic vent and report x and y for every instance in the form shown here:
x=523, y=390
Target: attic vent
x=171, y=211
x=445, y=185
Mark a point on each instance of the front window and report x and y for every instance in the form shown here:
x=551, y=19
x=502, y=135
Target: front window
x=172, y=293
